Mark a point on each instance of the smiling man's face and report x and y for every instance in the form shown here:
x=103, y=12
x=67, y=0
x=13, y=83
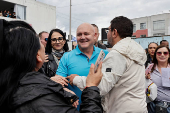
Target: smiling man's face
x=85, y=36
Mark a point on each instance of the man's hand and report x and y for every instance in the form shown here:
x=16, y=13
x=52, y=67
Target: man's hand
x=71, y=77
x=46, y=58
x=94, y=78
x=76, y=103
x=59, y=79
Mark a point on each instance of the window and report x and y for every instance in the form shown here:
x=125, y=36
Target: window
x=143, y=36
x=14, y=10
x=20, y=12
x=134, y=28
x=134, y=36
x=159, y=25
x=159, y=34
x=142, y=25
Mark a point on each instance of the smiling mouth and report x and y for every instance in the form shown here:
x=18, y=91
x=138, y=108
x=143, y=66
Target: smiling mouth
x=162, y=58
x=83, y=41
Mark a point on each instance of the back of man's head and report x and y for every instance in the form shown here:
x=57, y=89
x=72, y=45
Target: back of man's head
x=163, y=41
x=94, y=25
x=123, y=25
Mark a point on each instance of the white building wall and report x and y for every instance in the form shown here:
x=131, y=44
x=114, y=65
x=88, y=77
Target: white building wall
x=41, y=16
x=149, y=23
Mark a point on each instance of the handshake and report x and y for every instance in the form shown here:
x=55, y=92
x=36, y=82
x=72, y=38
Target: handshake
x=93, y=78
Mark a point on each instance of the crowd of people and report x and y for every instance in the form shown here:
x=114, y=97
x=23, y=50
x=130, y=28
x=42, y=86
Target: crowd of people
x=8, y=14
x=40, y=74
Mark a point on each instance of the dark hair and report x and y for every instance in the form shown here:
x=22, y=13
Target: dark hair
x=155, y=61
x=152, y=43
x=123, y=25
x=163, y=41
x=19, y=46
x=49, y=47
x=94, y=25
x=40, y=34
x=146, y=49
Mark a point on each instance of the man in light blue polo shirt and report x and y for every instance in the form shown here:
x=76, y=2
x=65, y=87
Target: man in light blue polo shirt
x=79, y=60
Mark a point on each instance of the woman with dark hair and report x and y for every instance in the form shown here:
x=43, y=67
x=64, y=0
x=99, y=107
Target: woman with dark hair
x=161, y=60
x=151, y=50
x=24, y=89
x=55, y=48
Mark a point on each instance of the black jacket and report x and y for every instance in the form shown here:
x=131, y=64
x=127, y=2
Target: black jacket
x=101, y=46
x=148, y=61
x=38, y=94
x=49, y=68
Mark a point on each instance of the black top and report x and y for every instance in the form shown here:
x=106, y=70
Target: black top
x=148, y=61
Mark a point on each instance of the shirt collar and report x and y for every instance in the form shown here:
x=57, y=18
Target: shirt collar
x=78, y=51
x=157, y=67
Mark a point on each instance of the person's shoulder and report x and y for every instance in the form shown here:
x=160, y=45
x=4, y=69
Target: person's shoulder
x=70, y=52
x=105, y=51
x=36, y=76
x=114, y=52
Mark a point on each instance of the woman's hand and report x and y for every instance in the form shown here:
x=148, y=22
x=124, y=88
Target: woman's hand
x=148, y=76
x=76, y=103
x=59, y=79
x=46, y=58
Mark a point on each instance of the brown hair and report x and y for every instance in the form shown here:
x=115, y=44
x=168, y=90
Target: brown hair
x=155, y=61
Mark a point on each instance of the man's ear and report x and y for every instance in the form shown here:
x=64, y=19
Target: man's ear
x=98, y=34
x=114, y=33
x=95, y=36
x=39, y=59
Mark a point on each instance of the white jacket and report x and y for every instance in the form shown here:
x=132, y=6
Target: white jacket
x=123, y=81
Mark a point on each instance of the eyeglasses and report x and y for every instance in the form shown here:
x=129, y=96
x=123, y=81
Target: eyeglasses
x=160, y=53
x=107, y=30
x=60, y=39
x=46, y=39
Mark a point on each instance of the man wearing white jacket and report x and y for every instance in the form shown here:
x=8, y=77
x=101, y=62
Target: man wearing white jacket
x=123, y=81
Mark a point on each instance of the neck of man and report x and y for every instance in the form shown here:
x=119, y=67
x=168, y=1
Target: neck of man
x=87, y=51
x=96, y=44
x=116, y=40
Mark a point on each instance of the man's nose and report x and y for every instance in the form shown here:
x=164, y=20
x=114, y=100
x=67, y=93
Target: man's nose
x=83, y=37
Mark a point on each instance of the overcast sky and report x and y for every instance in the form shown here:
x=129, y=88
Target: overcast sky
x=101, y=12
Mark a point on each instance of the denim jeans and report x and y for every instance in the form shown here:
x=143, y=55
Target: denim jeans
x=151, y=107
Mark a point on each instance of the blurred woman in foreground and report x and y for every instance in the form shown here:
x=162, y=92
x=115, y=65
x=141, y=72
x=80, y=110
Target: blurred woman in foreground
x=24, y=89
x=161, y=60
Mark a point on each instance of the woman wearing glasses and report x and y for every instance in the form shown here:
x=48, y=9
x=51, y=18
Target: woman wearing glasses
x=55, y=48
x=161, y=60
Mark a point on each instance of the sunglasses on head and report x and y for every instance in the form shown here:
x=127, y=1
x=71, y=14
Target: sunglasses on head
x=46, y=39
x=160, y=53
x=60, y=39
